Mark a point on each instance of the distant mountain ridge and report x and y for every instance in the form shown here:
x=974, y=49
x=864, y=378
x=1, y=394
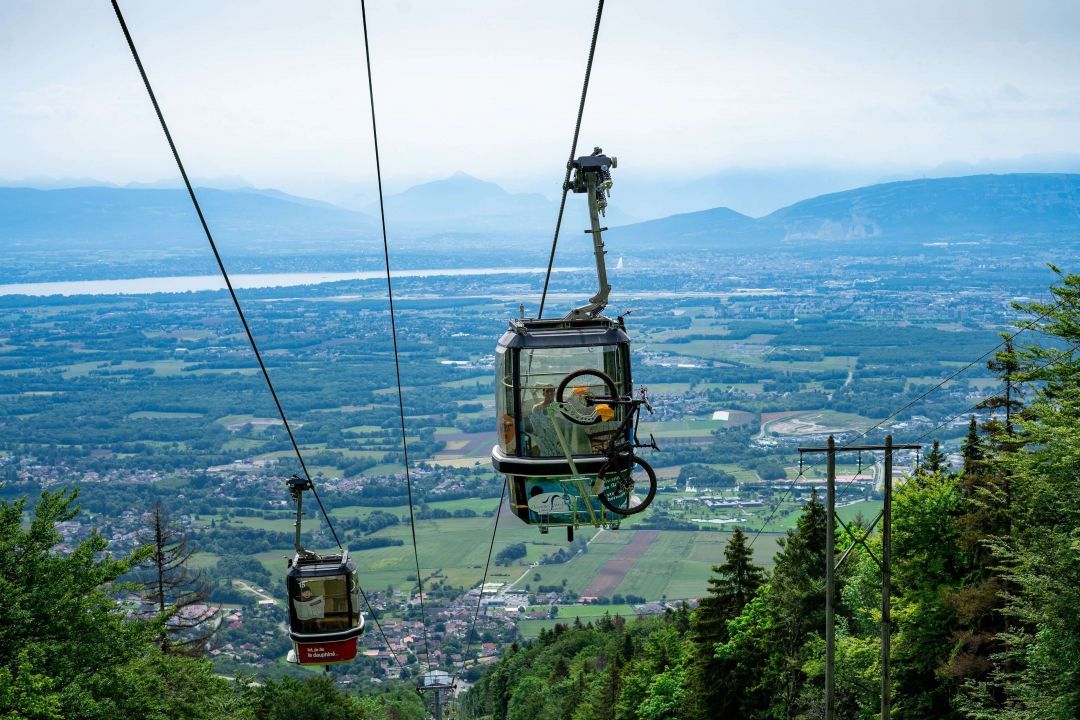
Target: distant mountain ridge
x=123, y=219
x=463, y=203
x=468, y=214
x=976, y=207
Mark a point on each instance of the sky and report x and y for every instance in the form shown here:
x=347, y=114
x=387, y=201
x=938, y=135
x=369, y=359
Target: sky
x=275, y=92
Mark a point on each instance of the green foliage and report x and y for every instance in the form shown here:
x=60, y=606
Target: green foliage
x=62, y=638
x=701, y=476
x=68, y=651
x=510, y=553
x=732, y=586
x=314, y=699
x=1036, y=672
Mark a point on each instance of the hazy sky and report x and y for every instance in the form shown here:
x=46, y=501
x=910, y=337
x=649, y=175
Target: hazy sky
x=275, y=92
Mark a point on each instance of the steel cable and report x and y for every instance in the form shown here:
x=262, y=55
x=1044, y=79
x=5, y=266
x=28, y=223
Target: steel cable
x=393, y=334
x=220, y=263
x=487, y=567
x=573, y=153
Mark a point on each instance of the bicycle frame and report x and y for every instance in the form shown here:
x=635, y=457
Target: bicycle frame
x=619, y=441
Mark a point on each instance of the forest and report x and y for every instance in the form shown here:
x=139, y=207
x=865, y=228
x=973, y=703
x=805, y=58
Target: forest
x=985, y=586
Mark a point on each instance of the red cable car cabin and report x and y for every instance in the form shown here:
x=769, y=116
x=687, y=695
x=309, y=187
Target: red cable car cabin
x=325, y=621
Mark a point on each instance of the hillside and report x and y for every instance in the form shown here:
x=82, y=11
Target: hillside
x=109, y=232
x=117, y=220
x=976, y=208
x=463, y=203
x=465, y=214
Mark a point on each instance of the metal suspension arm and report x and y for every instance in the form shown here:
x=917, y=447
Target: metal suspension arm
x=593, y=177
x=297, y=485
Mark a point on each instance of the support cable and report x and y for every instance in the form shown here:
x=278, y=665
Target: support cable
x=573, y=153
x=375, y=617
x=487, y=566
x=1023, y=327
x=977, y=406
x=393, y=333
x=221, y=264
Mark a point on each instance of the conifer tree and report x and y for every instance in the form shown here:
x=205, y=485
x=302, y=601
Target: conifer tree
x=972, y=449
x=798, y=582
x=769, y=646
x=731, y=587
x=934, y=460
x=1006, y=365
x=177, y=593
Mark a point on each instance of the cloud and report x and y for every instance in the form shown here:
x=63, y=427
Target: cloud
x=944, y=97
x=1009, y=93
x=275, y=91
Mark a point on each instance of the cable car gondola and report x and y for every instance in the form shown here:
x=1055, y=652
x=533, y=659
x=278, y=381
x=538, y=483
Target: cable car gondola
x=566, y=412
x=325, y=621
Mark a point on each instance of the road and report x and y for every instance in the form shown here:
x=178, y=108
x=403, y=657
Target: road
x=850, y=377
x=254, y=591
x=536, y=564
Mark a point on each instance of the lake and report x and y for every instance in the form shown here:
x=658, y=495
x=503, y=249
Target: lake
x=198, y=283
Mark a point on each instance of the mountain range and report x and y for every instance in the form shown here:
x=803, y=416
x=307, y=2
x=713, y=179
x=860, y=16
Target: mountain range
x=975, y=208
x=118, y=220
x=463, y=203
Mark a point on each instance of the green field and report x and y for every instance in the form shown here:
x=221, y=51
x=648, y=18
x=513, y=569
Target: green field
x=677, y=565
x=203, y=560
x=530, y=628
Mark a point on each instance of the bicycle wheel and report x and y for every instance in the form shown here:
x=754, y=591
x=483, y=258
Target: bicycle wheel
x=584, y=384
x=618, y=495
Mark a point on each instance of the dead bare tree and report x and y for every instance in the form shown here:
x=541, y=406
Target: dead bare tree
x=173, y=589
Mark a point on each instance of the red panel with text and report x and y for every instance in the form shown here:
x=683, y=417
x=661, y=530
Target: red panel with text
x=326, y=653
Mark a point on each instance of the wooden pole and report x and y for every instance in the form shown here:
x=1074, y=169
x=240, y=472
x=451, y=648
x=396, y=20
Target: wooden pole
x=830, y=583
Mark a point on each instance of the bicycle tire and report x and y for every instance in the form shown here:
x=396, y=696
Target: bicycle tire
x=609, y=384
x=640, y=506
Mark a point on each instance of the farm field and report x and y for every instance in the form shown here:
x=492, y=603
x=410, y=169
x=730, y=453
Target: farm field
x=611, y=574
x=662, y=564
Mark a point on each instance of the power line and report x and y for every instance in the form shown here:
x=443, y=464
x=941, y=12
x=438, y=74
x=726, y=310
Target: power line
x=220, y=263
x=1029, y=325
x=393, y=333
x=573, y=153
x=972, y=409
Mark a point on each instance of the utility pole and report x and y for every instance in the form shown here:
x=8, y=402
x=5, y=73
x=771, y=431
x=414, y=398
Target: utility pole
x=437, y=683
x=886, y=580
x=832, y=564
x=830, y=581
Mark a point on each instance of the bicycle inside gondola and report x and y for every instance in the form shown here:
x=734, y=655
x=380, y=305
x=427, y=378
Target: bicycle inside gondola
x=565, y=406
x=628, y=482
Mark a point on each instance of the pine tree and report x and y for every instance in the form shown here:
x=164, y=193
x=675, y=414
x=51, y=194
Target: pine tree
x=798, y=582
x=972, y=449
x=934, y=460
x=177, y=593
x=731, y=587
x=1006, y=365
x=770, y=643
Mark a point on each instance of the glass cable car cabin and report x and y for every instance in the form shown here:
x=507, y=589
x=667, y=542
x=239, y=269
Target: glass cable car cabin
x=325, y=621
x=532, y=359
x=551, y=462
